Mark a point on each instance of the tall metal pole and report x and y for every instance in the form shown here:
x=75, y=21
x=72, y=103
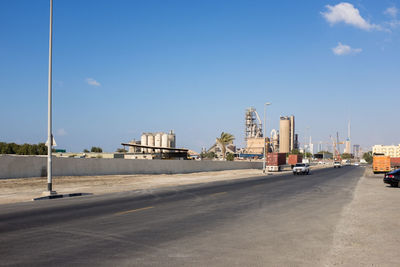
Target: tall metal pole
x=49, y=125
x=265, y=136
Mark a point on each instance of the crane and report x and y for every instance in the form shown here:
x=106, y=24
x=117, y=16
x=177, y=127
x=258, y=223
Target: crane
x=336, y=152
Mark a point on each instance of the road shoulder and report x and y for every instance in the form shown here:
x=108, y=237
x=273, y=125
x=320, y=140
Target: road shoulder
x=368, y=233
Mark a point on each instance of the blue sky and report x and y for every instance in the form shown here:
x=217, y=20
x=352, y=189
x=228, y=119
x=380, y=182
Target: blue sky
x=121, y=68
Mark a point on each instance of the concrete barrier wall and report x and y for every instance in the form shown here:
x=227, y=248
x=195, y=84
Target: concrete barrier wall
x=35, y=166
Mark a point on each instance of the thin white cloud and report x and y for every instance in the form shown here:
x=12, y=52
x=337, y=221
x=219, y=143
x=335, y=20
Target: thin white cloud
x=92, y=82
x=394, y=23
x=61, y=132
x=341, y=50
x=391, y=11
x=348, y=14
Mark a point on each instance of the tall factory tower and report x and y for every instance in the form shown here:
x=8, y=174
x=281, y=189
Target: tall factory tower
x=348, y=142
x=287, y=138
x=253, y=127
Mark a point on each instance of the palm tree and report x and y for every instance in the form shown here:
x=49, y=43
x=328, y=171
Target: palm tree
x=224, y=140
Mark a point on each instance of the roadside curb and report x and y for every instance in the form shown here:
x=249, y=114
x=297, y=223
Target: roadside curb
x=62, y=196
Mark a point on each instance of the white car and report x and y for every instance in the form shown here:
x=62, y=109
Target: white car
x=301, y=168
x=337, y=164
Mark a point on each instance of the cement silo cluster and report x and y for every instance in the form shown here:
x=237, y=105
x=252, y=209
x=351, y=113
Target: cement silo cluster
x=159, y=139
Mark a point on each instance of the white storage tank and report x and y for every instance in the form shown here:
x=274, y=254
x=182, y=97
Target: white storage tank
x=157, y=141
x=143, y=142
x=164, y=140
x=150, y=142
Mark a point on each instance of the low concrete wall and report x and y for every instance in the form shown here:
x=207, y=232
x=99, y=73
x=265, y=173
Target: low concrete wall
x=35, y=166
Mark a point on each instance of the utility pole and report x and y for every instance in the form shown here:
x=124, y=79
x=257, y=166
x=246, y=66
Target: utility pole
x=265, y=136
x=49, y=113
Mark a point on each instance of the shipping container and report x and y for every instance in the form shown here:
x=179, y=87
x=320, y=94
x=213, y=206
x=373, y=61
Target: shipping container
x=294, y=159
x=381, y=164
x=276, y=159
x=395, y=163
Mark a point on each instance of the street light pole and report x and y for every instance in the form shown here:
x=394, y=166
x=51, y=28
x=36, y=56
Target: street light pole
x=265, y=136
x=49, y=114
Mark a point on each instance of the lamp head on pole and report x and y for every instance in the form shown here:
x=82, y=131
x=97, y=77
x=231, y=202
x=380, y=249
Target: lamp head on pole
x=267, y=104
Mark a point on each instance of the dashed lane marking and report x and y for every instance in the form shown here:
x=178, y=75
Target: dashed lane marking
x=217, y=194
x=130, y=211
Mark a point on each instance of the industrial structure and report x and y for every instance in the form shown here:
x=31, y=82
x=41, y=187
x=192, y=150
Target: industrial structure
x=159, y=139
x=155, y=145
x=274, y=142
x=336, y=148
x=253, y=137
x=288, y=139
x=253, y=127
x=284, y=141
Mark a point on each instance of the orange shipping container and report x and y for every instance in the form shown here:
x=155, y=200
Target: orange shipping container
x=294, y=159
x=381, y=164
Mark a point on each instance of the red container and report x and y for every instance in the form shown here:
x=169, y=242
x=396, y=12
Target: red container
x=294, y=159
x=276, y=159
x=395, y=162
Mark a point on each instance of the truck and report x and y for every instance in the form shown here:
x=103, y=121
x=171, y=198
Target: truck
x=275, y=161
x=395, y=163
x=381, y=164
x=294, y=159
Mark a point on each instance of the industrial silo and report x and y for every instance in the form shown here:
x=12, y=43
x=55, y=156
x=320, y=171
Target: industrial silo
x=284, y=135
x=150, y=142
x=164, y=140
x=157, y=139
x=171, y=139
x=143, y=142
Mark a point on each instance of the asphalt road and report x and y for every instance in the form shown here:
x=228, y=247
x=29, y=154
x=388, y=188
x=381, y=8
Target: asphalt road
x=268, y=221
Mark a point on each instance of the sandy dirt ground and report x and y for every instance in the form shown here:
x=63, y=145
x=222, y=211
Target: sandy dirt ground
x=25, y=189
x=368, y=233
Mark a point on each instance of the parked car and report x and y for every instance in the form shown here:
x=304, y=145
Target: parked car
x=392, y=178
x=337, y=164
x=301, y=168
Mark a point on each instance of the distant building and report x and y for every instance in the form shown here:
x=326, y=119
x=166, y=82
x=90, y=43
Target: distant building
x=347, y=148
x=216, y=148
x=320, y=147
x=134, y=149
x=356, y=151
x=392, y=151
